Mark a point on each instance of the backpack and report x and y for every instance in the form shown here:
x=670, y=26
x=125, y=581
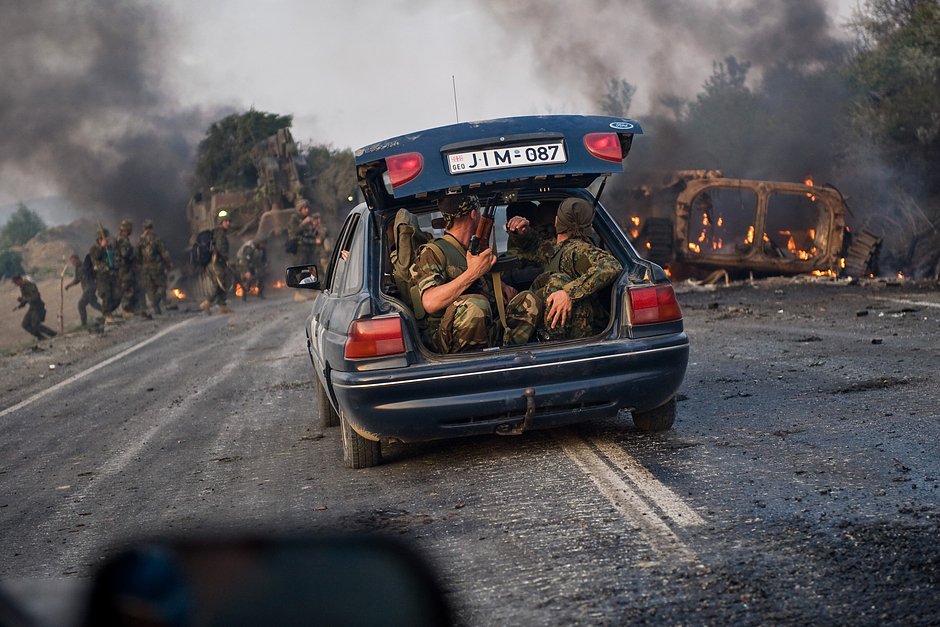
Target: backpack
x=88, y=266
x=201, y=253
x=408, y=240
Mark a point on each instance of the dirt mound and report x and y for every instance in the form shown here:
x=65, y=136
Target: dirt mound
x=50, y=250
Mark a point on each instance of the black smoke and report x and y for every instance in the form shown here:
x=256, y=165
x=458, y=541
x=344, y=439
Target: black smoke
x=85, y=107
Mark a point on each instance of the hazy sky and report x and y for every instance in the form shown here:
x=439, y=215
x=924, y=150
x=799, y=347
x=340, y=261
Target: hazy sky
x=351, y=73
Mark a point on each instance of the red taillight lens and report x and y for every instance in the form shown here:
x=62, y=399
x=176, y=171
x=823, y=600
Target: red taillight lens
x=649, y=305
x=604, y=146
x=375, y=338
x=404, y=168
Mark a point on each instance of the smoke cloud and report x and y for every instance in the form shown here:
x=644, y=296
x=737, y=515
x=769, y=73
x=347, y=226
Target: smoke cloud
x=83, y=102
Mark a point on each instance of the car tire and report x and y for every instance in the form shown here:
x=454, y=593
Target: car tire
x=358, y=452
x=325, y=412
x=659, y=419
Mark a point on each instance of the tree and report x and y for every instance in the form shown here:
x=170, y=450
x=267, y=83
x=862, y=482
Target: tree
x=22, y=226
x=223, y=159
x=11, y=264
x=897, y=74
x=332, y=181
x=616, y=102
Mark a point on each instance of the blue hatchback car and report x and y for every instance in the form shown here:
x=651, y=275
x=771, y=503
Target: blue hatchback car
x=379, y=382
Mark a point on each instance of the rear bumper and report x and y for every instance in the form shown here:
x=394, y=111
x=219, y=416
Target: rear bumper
x=499, y=392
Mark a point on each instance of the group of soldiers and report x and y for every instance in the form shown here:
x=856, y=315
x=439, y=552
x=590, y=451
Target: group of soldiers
x=117, y=277
x=457, y=297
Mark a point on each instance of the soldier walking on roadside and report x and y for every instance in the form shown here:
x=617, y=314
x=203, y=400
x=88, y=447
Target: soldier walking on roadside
x=128, y=279
x=36, y=314
x=84, y=274
x=155, y=261
x=104, y=262
x=219, y=270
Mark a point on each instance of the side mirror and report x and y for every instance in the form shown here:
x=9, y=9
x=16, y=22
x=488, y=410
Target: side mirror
x=303, y=277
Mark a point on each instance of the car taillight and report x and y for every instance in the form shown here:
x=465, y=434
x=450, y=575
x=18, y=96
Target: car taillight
x=653, y=304
x=604, y=146
x=374, y=338
x=404, y=168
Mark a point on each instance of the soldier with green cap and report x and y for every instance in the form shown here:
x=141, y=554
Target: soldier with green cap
x=154, y=261
x=36, y=314
x=455, y=298
x=104, y=262
x=219, y=269
x=575, y=272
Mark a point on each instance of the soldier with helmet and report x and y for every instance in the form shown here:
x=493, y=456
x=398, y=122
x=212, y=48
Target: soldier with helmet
x=219, y=269
x=575, y=272
x=302, y=235
x=155, y=261
x=128, y=280
x=104, y=262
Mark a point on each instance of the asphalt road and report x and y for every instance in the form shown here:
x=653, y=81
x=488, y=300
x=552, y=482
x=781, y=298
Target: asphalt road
x=800, y=485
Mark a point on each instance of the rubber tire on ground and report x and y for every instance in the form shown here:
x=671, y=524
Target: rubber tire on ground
x=659, y=419
x=358, y=452
x=325, y=412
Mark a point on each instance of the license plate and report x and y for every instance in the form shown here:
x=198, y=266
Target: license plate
x=514, y=157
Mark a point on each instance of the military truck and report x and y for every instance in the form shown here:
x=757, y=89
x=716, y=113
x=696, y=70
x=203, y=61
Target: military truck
x=697, y=221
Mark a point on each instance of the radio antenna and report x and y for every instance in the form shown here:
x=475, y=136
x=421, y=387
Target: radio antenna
x=453, y=81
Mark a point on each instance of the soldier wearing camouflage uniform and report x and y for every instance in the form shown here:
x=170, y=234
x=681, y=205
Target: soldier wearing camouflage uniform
x=87, y=281
x=36, y=314
x=302, y=232
x=154, y=261
x=455, y=299
x=104, y=262
x=252, y=264
x=127, y=264
x=575, y=272
x=219, y=270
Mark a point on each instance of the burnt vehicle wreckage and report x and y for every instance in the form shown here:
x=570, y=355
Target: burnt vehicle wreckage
x=696, y=221
x=374, y=376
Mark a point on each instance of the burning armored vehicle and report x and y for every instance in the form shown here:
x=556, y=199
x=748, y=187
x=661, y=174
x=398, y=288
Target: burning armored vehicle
x=698, y=220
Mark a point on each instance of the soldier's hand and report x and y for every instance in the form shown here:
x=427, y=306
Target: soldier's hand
x=478, y=265
x=559, y=306
x=517, y=224
x=68, y=286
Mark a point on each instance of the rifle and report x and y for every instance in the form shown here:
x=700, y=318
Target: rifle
x=481, y=238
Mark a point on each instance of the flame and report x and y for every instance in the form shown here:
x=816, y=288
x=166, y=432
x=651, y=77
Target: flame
x=239, y=290
x=900, y=275
x=750, y=235
x=278, y=284
x=695, y=247
x=635, y=229
x=828, y=273
x=808, y=181
x=178, y=293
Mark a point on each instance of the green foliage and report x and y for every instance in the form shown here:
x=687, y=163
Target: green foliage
x=616, y=102
x=22, y=226
x=897, y=73
x=332, y=181
x=11, y=264
x=223, y=159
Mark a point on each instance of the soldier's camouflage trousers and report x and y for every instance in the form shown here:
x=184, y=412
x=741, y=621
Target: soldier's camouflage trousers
x=108, y=292
x=469, y=324
x=153, y=281
x=220, y=278
x=581, y=320
x=32, y=322
x=130, y=290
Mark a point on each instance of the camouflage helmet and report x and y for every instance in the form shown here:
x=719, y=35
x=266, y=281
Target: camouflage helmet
x=102, y=232
x=223, y=216
x=453, y=207
x=126, y=225
x=148, y=223
x=303, y=202
x=574, y=216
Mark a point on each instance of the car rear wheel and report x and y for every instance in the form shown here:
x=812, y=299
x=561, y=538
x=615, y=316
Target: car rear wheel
x=358, y=452
x=325, y=412
x=659, y=419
